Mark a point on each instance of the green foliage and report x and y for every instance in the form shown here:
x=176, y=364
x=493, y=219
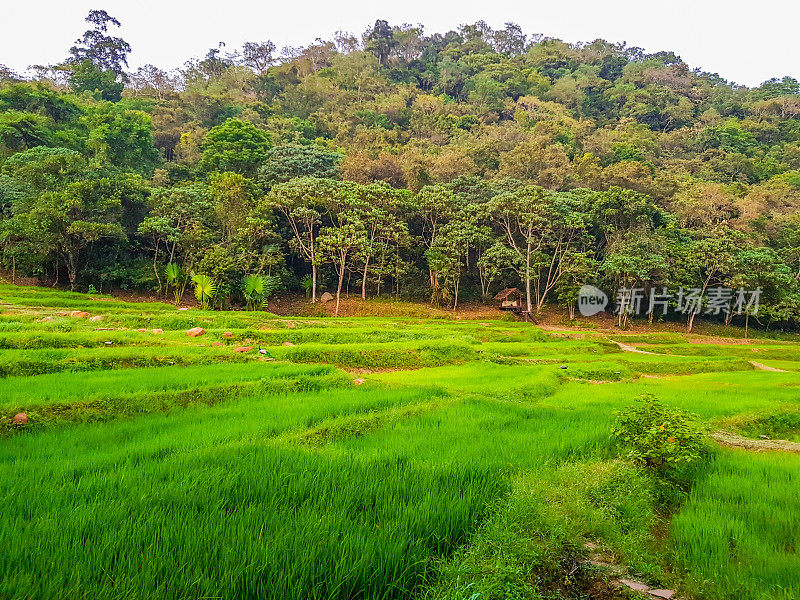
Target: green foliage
x=122, y=139
x=237, y=146
x=306, y=285
x=176, y=281
x=257, y=289
x=20, y=131
x=464, y=162
x=85, y=76
x=205, y=289
x=39, y=99
x=659, y=437
x=284, y=163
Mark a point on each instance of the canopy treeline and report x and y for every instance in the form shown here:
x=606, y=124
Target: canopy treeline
x=446, y=166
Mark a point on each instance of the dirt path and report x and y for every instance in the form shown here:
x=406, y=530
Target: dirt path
x=763, y=367
x=731, y=440
x=626, y=348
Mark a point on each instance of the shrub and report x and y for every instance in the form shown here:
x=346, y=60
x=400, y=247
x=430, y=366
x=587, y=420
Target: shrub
x=659, y=437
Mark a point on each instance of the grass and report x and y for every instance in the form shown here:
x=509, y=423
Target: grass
x=376, y=457
x=537, y=533
x=738, y=535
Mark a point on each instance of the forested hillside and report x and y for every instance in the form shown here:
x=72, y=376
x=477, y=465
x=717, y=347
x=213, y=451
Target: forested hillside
x=401, y=162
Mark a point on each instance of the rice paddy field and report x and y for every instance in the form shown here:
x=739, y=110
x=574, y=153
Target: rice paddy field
x=378, y=458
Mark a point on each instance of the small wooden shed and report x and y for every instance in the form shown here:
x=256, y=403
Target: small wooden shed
x=510, y=299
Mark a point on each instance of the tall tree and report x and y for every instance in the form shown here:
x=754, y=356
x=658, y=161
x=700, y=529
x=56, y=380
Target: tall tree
x=98, y=59
x=339, y=243
x=300, y=202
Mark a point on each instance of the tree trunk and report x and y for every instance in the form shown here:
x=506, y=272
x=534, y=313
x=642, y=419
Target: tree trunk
x=364, y=280
x=71, y=271
x=339, y=287
x=155, y=268
x=313, y=269
x=528, y=279
x=313, y=281
x=690, y=324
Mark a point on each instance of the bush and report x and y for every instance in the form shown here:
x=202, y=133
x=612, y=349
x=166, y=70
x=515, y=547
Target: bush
x=659, y=437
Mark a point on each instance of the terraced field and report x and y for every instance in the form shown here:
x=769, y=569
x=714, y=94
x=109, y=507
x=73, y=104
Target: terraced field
x=378, y=458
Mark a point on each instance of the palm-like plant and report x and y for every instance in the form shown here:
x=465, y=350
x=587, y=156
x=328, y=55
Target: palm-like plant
x=176, y=280
x=306, y=283
x=204, y=289
x=253, y=290
x=256, y=289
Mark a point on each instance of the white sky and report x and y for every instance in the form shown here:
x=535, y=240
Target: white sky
x=744, y=41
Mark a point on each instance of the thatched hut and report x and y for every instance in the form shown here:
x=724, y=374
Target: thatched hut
x=510, y=299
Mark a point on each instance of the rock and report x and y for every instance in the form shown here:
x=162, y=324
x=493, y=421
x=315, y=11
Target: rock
x=158, y=331
x=184, y=308
x=79, y=314
x=228, y=335
x=326, y=297
x=359, y=381
x=108, y=343
x=20, y=419
x=634, y=585
x=216, y=344
x=563, y=367
x=96, y=318
x=195, y=332
x=290, y=324
x=288, y=343
x=62, y=313
x=142, y=330
x=243, y=349
x=665, y=594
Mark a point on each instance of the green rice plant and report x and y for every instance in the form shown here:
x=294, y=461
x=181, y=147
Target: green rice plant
x=455, y=460
x=738, y=533
x=38, y=362
x=375, y=523
x=60, y=398
x=649, y=338
x=380, y=356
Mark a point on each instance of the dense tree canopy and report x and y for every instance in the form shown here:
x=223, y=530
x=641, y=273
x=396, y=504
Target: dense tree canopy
x=434, y=165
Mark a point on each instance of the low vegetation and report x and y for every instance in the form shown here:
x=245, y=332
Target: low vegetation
x=381, y=458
